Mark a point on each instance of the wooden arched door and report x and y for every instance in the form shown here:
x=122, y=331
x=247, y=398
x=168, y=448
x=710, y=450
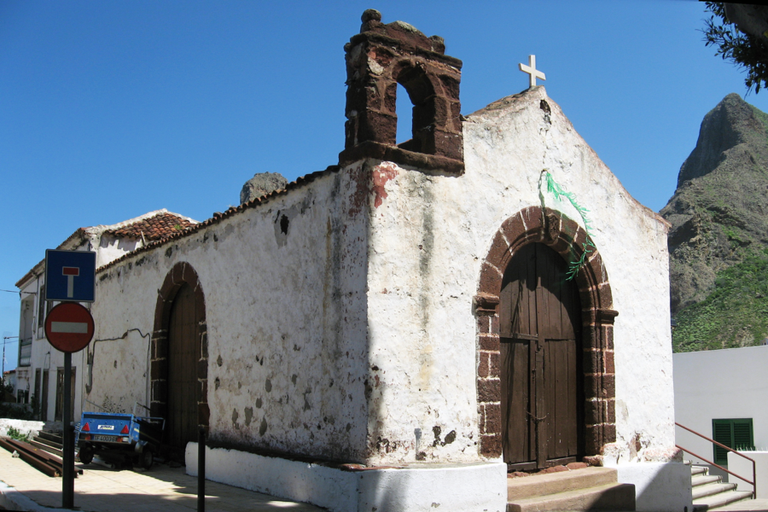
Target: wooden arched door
x=541, y=377
x=184, y=354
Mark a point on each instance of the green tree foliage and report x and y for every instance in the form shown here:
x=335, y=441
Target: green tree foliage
x=742, y=49
x=735, y=314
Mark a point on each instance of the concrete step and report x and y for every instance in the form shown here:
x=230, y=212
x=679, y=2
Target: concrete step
x=699, y=480
x=699, y=470
x=580, y=489
x=552, y=483
x=719, y=500
x=615, y=497
x=710, y=489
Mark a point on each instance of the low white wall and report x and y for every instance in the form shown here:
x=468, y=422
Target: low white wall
x=743, y=468
x=448, y=487
x=659, y=486
x=24, y=427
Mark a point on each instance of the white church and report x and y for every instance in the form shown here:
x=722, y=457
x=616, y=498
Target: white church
x=405, y=329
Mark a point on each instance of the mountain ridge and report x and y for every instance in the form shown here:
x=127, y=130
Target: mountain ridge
x=719, y=221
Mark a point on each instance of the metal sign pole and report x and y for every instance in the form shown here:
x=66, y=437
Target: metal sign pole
x=200, y=468
x=70, y=277
x=68, y=472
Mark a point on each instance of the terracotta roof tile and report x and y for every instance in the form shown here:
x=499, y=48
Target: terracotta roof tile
x=219, y=216
x=154, y=228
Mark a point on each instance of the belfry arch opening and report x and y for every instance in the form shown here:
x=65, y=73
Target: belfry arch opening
x=415, y=102
x=404, y=116
x=387, y=66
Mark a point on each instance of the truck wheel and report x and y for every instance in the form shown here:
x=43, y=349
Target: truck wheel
x=147, y=458
x=86, y=454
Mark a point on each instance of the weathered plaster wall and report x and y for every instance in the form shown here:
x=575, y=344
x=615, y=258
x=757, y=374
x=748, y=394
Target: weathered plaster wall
x=111, y=248
x=284, y=286
x=429, y=236
x=324, y=345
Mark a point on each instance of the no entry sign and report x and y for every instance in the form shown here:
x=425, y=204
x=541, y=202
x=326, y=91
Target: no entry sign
x=69, y=327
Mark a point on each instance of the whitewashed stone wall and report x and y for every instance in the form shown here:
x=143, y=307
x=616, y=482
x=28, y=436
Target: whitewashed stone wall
x=340, y=316
x=289, y=366
x=284, y=285
x=429, y=236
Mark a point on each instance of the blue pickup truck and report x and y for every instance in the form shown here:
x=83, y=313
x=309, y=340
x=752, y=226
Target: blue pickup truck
x=119, y=435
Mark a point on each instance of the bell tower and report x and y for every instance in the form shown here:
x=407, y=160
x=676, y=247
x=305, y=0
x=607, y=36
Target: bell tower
x=382, y=56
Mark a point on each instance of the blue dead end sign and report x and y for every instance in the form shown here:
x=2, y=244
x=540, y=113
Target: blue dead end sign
x=70, y=275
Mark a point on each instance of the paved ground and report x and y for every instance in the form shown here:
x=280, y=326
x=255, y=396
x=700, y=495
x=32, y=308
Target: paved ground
x=760, y=505
x=161, y=489
x=99, y=489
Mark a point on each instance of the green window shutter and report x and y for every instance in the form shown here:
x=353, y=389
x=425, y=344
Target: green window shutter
x=721, y=432
x=742, y=434
x=733, y=433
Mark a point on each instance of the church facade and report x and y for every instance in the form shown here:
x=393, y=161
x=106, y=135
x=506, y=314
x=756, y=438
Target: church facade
x=400, y=330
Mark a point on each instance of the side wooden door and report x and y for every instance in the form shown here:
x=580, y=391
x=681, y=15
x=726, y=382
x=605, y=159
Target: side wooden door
x=183, y=357
x=541, y=378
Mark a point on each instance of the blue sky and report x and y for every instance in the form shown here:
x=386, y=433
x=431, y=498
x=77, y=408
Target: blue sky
x=109, y=110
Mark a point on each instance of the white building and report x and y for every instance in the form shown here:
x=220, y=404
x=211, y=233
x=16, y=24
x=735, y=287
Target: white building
x=721, y=394
x=394, y=331
x=40, y=370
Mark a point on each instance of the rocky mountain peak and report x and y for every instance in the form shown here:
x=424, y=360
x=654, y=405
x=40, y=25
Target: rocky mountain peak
x=731, y=123
x=719, y=212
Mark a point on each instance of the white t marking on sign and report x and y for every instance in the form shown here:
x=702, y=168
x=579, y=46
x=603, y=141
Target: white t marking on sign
x=70, y=272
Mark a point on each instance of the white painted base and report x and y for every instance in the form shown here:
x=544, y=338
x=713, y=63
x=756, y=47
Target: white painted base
x=480, y=487
x=659, y=486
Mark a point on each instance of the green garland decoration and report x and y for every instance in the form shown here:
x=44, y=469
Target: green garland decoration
x=558, y=192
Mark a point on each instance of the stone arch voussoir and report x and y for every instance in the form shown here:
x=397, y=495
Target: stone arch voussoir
x=544, y=225
x=182, y=273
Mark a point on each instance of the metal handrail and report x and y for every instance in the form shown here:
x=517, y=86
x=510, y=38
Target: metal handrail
x=754, y=473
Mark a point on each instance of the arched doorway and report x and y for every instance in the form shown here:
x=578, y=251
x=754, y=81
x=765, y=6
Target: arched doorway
x=544, y=234
x=540, y=347
x=179, y=366
x=183, y=357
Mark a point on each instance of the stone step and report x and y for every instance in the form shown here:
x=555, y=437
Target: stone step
x=699, y=470
x=719, y=500
x=553, y=483
x=615, y=497
x=710, y=489
x=699, y=480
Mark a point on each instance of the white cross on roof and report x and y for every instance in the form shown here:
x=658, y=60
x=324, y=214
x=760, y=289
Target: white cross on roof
x=532, y=71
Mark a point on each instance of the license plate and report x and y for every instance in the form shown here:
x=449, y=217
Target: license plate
x=105, y=439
